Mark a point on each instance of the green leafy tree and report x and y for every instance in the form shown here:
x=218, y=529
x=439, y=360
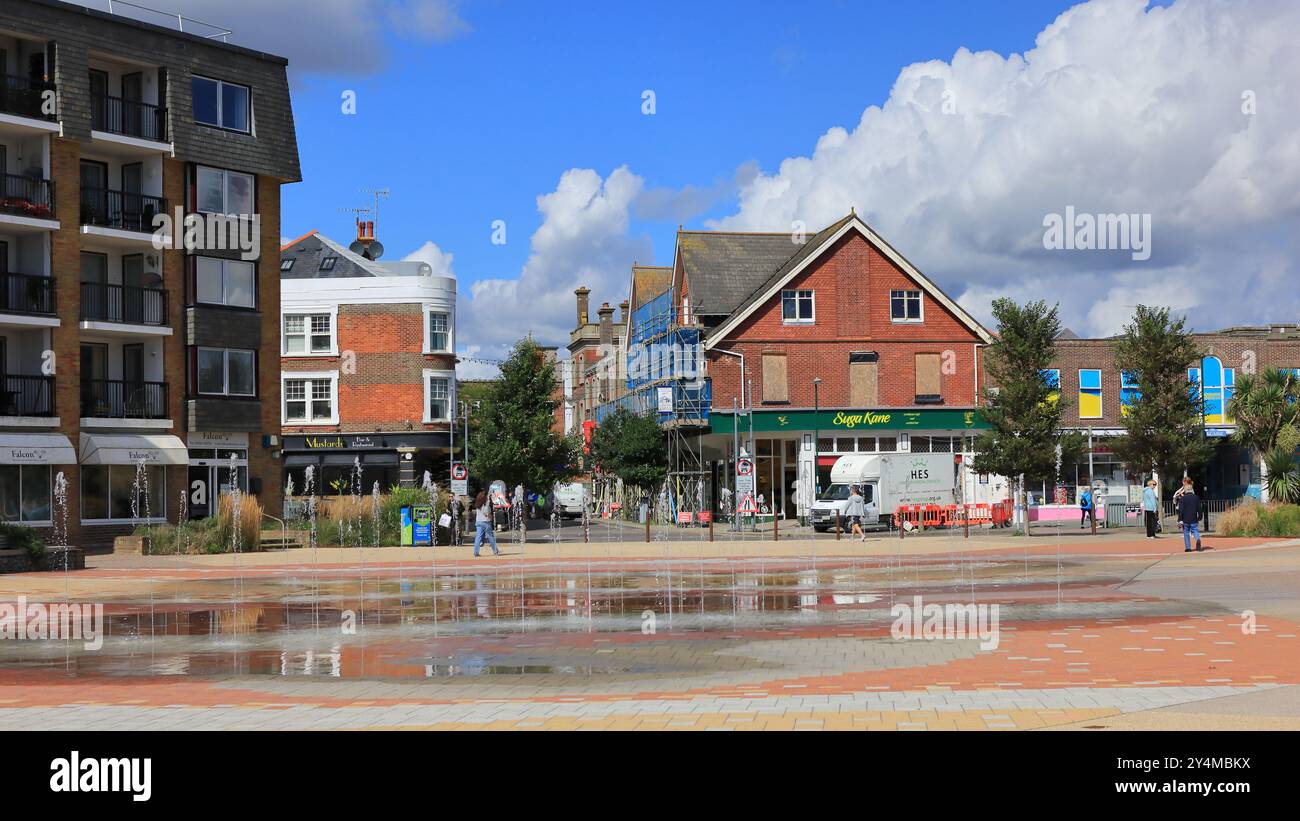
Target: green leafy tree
x=631, y=447
x=1023, y=415
x=512, y=437
x=1164, y=422
x=1266, y=408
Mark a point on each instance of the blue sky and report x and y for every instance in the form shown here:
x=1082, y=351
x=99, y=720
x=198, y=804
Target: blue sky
x=472, y=130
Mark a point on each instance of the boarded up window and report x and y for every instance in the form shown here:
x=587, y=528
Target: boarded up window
x=775, y=388
x=864, y=379
x=928, y=387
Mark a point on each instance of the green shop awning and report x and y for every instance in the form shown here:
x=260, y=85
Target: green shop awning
x=770, y=421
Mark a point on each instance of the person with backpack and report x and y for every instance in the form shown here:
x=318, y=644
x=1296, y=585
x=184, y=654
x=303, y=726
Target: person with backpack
x=1085, y=508
x=1189, y=515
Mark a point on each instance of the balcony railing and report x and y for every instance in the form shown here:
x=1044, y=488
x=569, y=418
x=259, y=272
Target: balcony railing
x=26, y=97
x=26, y=395
x=26, y=294
x=123, y=399
x=131, y=304
x=124, y=210
x=131, y=118
x=26, y=196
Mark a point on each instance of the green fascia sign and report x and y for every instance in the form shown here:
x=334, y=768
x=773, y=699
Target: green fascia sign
x=769, y=421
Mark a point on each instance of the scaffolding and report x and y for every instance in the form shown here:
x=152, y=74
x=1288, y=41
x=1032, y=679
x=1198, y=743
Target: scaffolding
x=665, y=378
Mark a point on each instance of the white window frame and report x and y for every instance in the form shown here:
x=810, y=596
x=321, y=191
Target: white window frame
x=920, y=298
x=430, y=375
x=332, y=310
x=225, y=173
x=1101, y=392
x=310, y=377
x=429, y=310
x=221, y=102
x=224, y=262
x=225, y=376
x=812, y=298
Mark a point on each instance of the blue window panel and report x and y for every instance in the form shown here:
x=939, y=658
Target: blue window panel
x=1129, y=391
x=1212, y=389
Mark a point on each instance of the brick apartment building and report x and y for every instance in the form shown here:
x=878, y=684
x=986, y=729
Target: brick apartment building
x=1093, y=393
x=118, y=350
x=368, y=367
x=898, y=361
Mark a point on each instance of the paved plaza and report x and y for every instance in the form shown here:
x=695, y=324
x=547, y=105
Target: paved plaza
x=1111, y=631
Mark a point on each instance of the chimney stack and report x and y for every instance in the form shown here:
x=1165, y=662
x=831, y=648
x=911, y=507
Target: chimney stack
x=606, y=324
x=622, y=313
x=582, y=305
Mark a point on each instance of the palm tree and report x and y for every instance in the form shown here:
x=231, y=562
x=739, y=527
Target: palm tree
x=1266, y=409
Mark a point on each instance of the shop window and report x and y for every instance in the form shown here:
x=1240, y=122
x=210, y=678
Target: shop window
x=25, y=493
x=1090, y=394
x=112, y=493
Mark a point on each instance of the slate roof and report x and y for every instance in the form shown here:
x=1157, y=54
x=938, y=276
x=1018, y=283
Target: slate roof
x=308, y=251
x=649, y=281
x=724, y=269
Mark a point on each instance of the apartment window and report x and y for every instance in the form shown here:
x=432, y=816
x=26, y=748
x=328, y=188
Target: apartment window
x=905, y=306
x=797, y=306
x=929, y=388
x=25, y=493
x=775, y=386
x=1052, y=379
x=308, y=334
x=310, y=398
x=1090, y=394
x=222, y=104
x=1129, y=391
x=439, y=332
x=111, y=493
x=327, y=263
x=226, y=372
x=230, y=282
x=864, y=379
x=438, y=389
x=218, y=191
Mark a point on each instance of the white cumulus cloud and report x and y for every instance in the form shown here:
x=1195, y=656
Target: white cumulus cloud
x=1186, y=113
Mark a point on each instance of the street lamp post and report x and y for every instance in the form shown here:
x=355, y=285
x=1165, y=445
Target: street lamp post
x=817, y=433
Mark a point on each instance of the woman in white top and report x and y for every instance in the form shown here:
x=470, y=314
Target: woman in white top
x=483, y=524
x=856, y=510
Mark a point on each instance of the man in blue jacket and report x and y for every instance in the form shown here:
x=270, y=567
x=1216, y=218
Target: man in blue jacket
x=1085, y=507
x=1189, y=512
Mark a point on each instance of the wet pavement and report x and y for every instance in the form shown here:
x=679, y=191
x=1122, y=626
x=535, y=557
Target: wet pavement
x=650, y=636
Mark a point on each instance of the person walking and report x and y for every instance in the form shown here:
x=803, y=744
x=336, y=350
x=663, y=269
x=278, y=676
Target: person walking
x=1085, y=507
x=483, y=525
x=1150, y=508
x=856, y=510
x=1189, y=515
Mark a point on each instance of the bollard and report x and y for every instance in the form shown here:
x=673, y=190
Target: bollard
x=710, y=528
x=776, y=534
x=837, y=525
x=647, y=529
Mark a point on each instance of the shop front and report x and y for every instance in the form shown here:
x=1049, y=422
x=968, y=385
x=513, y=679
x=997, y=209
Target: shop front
x=341, y=460
x=218, y=462
x=28, y=464
x=781, y=443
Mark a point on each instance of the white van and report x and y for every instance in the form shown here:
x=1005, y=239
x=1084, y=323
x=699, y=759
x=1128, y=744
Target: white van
x=570, y=499
x=885, y=481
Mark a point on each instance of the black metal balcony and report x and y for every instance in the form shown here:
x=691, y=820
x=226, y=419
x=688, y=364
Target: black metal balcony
x=130, y=118
x=130, y=304
x=123, y=399
x=26, y=97
x=123, y=210
x=26, y=395
x=26, y=294
x=26, y=196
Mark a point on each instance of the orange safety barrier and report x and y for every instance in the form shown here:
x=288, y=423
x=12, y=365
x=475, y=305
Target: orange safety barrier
x=907, y=513
x=932, y=516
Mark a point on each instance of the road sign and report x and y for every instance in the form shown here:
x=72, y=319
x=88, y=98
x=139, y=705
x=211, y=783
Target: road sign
x=459, y=479
x=744, y=475
x=747, y=504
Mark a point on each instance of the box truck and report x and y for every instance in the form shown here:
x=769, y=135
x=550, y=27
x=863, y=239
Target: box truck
x=886, y=481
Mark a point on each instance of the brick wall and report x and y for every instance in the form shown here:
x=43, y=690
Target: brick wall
x=851, y=284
